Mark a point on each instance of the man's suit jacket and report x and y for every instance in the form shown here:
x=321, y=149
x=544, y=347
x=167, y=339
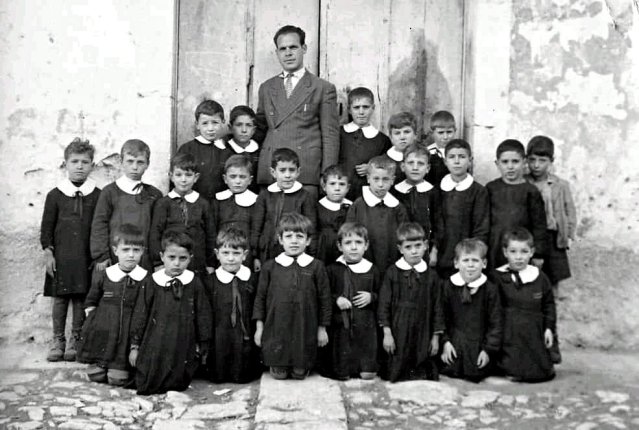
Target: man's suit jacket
x=307, y=123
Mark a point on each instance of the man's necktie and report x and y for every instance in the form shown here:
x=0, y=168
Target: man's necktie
x=288, y=85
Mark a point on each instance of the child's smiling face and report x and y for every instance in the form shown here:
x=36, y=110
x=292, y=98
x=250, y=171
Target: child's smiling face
x=285, y=174
x=183, y=180
x=209, y=126
x=415, y=167
x=379, y=181
x=231, y=259
x=518, y=253
x=78, y=167
x=176, y=259
x=353, y=247
x=361, y=110
x=294, y=242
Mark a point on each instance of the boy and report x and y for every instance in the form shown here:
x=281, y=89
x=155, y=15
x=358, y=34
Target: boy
x=242, y=121
x=464, y=203
x=185, y=210
x=208, y=148
x=514, y=203
x=64, y=236
x=472, y=313
x=293, y=303
x=403, y=133
x=126, y=201
x=360, y=140
x=331, y=212
x=409, y=310
x=379, y=211
x=284, y=195
x=442, y=129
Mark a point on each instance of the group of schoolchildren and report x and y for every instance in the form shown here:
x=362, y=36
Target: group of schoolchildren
x=384, y=275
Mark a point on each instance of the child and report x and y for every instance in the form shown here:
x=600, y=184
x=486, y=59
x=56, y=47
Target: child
x=360, y=140
x=380, y=212
x=514, y=203
x=232, y=356
x=472, y=313
x=464, y=203
x=242, y=120
x=293, y=303
x=208, y=148
x=354, y=286
x=403, y=133
x=172, y=319
x=184, y=209
x=109, y=305
x=331, y=212
x=409, y=310
x=442, y=130
x=529, y=311
x=64, y=235
x=126, y=201
x=284, y=195
x=420, y=198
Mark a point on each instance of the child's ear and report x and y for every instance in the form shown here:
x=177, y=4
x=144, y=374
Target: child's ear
x=339, y=246
x=308, y=241
x=484, y=263
x=217, y=253
x=402, y=166
x=366, y=245
x=196, y=177
x=279, y=239
x=272, y=170
x=244, y=255
x=456, y=264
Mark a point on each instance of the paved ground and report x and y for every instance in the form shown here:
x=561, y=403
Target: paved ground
x=593, y=390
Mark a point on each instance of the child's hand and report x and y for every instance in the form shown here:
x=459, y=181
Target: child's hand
x=88, y=310
x=209, y=270
x=483, y=359
x=343, y=303
x=449, y=354
x=158, y=268
x=537, y=262
x=361, y=169
x=432, y=258
x=133, y=357
x=548, y=338
x=49, y=262
x=362, y=299
x=258, y=333
x=389, y=343
x=322, y=336
x=434, y=345
x=257, y=265
x=101, y=266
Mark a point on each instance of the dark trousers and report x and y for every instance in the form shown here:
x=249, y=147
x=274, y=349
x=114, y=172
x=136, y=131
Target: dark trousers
x=59, y=314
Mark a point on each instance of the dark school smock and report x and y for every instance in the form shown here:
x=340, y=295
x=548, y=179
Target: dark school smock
x=438, y=167
x=423, y=206
x=210, y=157
x=330, y=217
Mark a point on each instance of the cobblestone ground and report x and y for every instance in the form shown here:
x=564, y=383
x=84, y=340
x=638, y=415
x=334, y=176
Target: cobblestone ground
x=592, y=391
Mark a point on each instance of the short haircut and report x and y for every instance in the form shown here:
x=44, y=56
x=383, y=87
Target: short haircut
x=295, y=222
x=288, y=29
x=184, y=161
x=79, y=146
x=471, y=245
x=458, y=144
x=335, y=170
x=239, y=111
x=352, y=228
x=177, y=237
x=239, y=160
x=511, y=145
x=410, y=231
x=442, y=118
x=542, y=146
x=517, y=234
x=209, y=107
x=417, y=149
x=232, y=238
x=401, y=120
x=136, y=147
x=360, y=93
x=382, y=162
x=284, y=155
x=127, y=234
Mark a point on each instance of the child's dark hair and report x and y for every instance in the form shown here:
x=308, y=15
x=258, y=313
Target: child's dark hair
x=210, y=108
x=409, y=231
x=471, y=245
x=184, y=161
x=541, y=146
x=417, y=149
x=127, y=234
x=352, y=228
x=458, y=144
x=334, y=170
x=232, y=238
x=177, y=237
x=401, y=120
x=517, y=234
x=382, y=162
x=443, y=119
x=360, y=93
x=284, y=155
x=511, y=145
x=239, y=160
x=79, y=146
x=288, y=29
x=135, y=147
x=295, y=222
x=239, y=111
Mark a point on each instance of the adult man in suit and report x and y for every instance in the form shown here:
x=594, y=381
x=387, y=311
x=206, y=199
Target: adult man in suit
x=297, y=110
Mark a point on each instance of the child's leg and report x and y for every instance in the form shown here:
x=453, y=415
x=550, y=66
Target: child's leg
x=78, y=320
x=59, y=317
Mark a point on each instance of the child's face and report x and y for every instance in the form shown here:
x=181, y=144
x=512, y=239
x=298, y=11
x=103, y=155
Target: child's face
x=413, y=251
x=176, y=259
x=78, y=167
x=402, y=137
x=518, y=254
x=361, y=109
x=335, y=188
x=243, y=129
x=443, y=135
x=285, y=174
x=183, y=180
x=415, y=167
x=470, y=265
x=379, y=181
x=458, y=161
x=134, y=166
x=539, y=165
x=231, y=258
x=511, y=166
x=128, y=255
x=353, y=247
x=294, y=242
x=209, y=126
x=237, y=179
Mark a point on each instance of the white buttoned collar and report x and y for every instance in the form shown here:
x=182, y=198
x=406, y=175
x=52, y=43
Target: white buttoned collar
x=161, y=278
x=227, y=277
x=448, y=184
x=303, y=260
x=67, y=188
x=420, y=267
x=274, y=188
x=394, y=154
x=369, y=131
x=245, y=199
x=250, y=148
x=219, y=143
x=372, y=200
x=436, y=150
x=404, y=187
x=190, y=197
x=334, y=206
x=529, y=274
x=127, y=185
x=115, y=274
x=362, y=267
x=457, y=279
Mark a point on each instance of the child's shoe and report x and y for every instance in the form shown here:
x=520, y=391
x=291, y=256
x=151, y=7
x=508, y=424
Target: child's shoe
x=278, y=372
x=299, y=373
x=97, y=374
x=70, y=352
x=56, y=353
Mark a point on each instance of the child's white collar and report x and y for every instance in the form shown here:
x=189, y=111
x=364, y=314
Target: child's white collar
x=161, y=278
x=372, y=200
x=128, y=185
x=333, y=206
x=362, y=267
x=245, y=199
x=402, y=264
x=115, y=274
x=448, y=184
x=404, y=187
x=529, y=274
x=457, y=279
x=369, y=131
x=227, y=277
x=250, y=148
x=219, y=143
x=190, y=197
x=274, y=188
x=67, y=188
x=394, y=154
x=436, y=150
x=303, y=260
